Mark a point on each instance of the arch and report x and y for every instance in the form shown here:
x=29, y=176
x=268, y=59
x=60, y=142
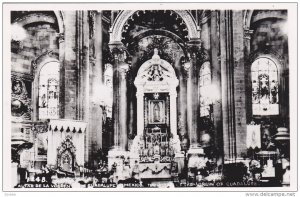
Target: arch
x=116, y=33
x=60, y=20
x=247, y=18
x=248, y=15
x=40, y=17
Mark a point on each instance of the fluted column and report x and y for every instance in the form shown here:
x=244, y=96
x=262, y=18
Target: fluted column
x=119, y=96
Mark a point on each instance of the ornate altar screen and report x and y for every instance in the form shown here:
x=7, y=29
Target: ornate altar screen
x=156, y=84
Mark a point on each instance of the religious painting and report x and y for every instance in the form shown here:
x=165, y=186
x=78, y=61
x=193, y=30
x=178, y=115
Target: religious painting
x=66, y=155
x=156, y=112
x=253, y=136
x=66, y=161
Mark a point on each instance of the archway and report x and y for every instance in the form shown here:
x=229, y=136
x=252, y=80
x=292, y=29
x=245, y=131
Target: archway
x=117, y=28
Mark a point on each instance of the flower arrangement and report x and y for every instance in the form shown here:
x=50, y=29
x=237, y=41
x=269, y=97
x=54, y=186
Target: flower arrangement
x=255, y=167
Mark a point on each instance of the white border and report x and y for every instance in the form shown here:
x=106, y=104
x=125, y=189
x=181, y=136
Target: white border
x=292, y=16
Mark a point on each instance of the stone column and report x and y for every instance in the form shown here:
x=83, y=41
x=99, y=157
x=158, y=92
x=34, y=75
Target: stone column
x=239, y=84
x=61, y=41
x=194, y=47
x=227, y=86
x=216, y=79
x=233, y=85
x=123, y=68
x=247, y=42
x=96, y=84
x=195, y=152
x=119, y=95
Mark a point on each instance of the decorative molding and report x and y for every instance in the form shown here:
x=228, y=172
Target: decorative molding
x=92, y=16
x=248, y=33
x=194, y=47
x=123, y=16
x=37, y=61
x=60, y=37
x=117, y=50
x=64, y=125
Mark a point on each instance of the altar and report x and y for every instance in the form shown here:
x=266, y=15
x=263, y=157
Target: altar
x=156, y=144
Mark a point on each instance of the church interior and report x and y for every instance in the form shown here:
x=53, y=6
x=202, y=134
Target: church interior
x=150, y=98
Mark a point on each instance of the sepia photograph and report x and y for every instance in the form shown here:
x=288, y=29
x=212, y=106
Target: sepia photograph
x=159, y=96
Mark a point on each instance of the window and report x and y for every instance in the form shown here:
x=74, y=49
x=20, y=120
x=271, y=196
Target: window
x=264, y=77
x=204, y=84
x=49, y=91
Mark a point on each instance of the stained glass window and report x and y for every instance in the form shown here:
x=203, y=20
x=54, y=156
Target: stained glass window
x=204, y=84
x=264, y=76
x=49, y=91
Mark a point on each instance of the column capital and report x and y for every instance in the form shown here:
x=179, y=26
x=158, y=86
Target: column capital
x=194, y=47
x=186, y=69
x=123, y=69
x=60, y=37
x=139, y=93
x=173, y=93
x=118, y=51
x=92, y=15
x=247, y=33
